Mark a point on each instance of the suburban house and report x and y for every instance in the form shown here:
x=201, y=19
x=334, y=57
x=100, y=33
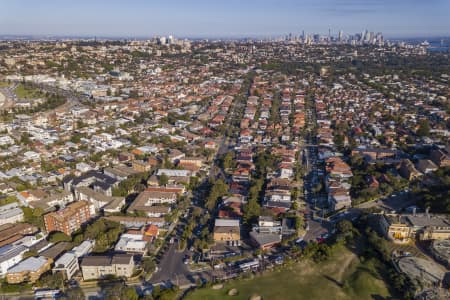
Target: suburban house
x=408, y=170
x=267, y=233
x=131, y=242
x=426, y=166
x=440, y=157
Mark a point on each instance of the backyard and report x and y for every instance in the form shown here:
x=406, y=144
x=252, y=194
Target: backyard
x=343, y=276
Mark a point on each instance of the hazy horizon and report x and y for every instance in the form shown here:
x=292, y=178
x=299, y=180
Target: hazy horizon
x=223, y=19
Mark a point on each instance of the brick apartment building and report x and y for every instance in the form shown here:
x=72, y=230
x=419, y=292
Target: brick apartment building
x=69, y=219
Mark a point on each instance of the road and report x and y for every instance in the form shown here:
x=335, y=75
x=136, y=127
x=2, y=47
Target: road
x=171, y=267
x=316, y=229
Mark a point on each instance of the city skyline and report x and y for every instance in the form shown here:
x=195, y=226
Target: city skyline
x=404, y=18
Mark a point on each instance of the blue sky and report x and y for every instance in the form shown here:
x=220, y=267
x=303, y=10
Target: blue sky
x=227, y=18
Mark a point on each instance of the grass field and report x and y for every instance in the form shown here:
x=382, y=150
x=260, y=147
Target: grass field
x=343, y=276
x=3, y=84
x=25, y=92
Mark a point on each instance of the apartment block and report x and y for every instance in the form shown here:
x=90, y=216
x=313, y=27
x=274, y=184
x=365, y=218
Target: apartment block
x=95, y=267
x=70, y=218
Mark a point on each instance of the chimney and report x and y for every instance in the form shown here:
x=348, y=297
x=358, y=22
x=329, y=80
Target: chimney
x=414, y=211
x=427, y=212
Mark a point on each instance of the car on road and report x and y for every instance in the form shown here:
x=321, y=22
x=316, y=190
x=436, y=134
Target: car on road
x=73, y=283
x=186, y=259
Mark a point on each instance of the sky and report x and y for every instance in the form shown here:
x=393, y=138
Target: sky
x=223, y=18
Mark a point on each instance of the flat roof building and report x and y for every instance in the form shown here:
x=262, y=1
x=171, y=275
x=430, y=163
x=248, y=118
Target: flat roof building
x=67, y=264
x=28, y=270
x=70, y=218
x=96, y=267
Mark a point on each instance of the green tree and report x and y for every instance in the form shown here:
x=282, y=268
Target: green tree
x=74, y=294
x=148, y=264
x=163, y=179
x=228, y=160
x=344, y=226
x=424, y=128
x=299, y=222
x=252, y=210
x=25, y=139
x=129, y=293
x=219, y=189
x=53, y=281
x=57, y=236
x=30, y=253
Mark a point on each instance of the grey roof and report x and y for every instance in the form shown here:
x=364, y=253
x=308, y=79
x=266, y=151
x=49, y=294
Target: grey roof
x=29, y=264
x=265, y=238
x=119, y=259
x=65, y=260
x=95, y=176
x=424, y=221
x=226, y=223
x=280, y=204
x=9, y=206
x=95, y=195
x=7, y=252
x=55, y=250
x=10, y=213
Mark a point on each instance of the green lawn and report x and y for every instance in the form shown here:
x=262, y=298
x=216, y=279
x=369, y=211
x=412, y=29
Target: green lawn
x=3, y=84
x=26, y=92
x=343, y=276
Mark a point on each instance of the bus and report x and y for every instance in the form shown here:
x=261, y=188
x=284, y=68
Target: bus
x=47, y=294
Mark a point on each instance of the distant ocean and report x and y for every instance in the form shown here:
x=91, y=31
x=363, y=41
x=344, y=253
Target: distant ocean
x=437, y=44
x=438, y=47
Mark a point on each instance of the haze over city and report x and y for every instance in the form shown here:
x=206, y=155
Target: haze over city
x=231, y=18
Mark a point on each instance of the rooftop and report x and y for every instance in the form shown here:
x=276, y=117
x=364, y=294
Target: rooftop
x=30, y=264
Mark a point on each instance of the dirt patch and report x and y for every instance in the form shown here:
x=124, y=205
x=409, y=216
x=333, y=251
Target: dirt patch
x=347, y=262
x=232, y=292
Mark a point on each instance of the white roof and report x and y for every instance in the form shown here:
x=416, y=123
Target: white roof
x=9, y=206
x=6, y=214
x=175, y=173
x=83, y=248
x=66, y=259
x=227, y=222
